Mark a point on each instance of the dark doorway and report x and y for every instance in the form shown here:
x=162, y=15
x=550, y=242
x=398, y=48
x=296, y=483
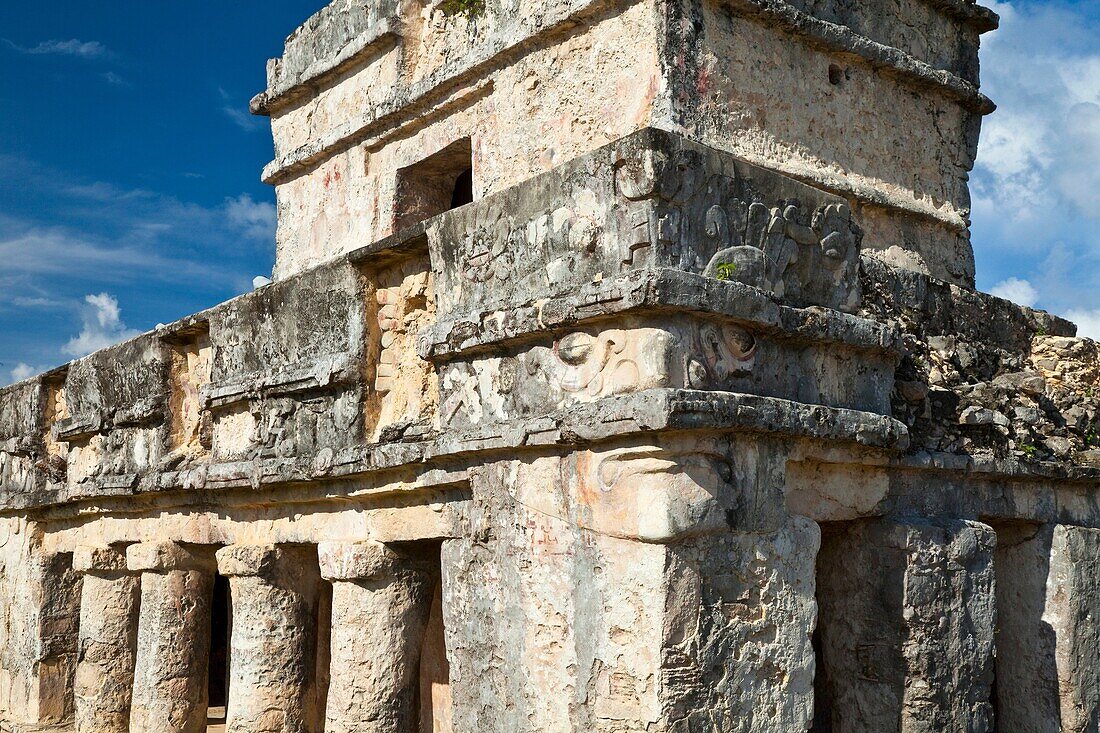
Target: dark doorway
x=464, y=189
x=221, y=623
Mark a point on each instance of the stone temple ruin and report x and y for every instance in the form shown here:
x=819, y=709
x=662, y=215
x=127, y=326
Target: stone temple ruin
x=623, y=371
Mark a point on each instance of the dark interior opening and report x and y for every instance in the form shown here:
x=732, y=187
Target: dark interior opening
x=221, y=622
x=464, y=189
x=823, y=709
x=436, y=184
x=434, y=690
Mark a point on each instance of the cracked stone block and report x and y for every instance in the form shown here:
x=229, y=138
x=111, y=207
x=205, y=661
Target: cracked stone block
x=170, y=678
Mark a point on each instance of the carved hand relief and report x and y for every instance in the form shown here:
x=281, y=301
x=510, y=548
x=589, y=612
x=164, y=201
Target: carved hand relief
x=653, y=493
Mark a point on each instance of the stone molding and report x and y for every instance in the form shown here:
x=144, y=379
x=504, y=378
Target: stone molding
x=248, y=560
x=840, y=39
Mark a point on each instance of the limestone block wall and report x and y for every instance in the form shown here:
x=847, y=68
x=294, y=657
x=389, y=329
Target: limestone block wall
x=638, y=444
x=874, y=101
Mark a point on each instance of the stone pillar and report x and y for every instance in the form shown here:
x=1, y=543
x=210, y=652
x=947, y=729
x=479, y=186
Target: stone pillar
x=272, y=675
x=906, y=620
x=380, y=606
x=173, y=649
x=108, y=640
x=1048, y=658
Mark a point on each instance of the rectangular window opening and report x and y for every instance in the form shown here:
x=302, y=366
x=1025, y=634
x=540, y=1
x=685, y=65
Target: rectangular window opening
x=439, y=183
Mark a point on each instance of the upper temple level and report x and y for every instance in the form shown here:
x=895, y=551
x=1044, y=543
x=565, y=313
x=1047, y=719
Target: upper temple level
x=385, y=113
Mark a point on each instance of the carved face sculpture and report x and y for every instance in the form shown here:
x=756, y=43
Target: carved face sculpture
x=657, y=495
x=722, y=352
x=595, y=365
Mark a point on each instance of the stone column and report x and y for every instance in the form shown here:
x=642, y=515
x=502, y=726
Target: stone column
x=380, y=606
x=173, y=649
x=906, y=620
x=108, y=640
x=1048, y=658
x=272, y=675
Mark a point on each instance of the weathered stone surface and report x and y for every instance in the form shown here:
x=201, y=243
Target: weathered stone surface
x=272, y=680
x=380, y=608
x=587, y=631
x=906, y=624
x=1048, y=673
x=170, y=679
x=585, y=315
x=108, y=640
x=390, y=84
x=651, y=200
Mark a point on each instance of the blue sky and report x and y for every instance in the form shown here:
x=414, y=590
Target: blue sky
x=130, y=192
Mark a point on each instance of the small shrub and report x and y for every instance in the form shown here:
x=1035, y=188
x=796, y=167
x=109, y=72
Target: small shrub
x=469, y=8
x=726, y=270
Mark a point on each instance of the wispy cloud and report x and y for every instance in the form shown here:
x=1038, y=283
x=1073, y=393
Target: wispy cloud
x=115, y=80
x=103, y=326
x=252, y=219
x=1017, y=290
x=71, y=47
x=238, y=112
x=1088, y=322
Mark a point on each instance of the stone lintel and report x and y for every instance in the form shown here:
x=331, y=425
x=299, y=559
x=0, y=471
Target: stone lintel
x=164, y=557
x=356, y=560
x=248, y=560
x=91, y=559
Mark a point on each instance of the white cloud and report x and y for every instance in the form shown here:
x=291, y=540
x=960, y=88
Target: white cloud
x=1036, y=183
x=103, y=326
x=71, y=47
x=252, y=219
x=22, y=371
x=115, y=80
x=1088, y=322
x=1042, y=147
x=1017, y=290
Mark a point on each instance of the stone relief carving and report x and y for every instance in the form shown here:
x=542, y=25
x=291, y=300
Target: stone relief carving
x=721, y=226
x=721, y=353
x=655, y=493
x=583, y=366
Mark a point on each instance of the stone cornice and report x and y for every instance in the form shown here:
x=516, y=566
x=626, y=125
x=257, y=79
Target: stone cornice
x=886, y=59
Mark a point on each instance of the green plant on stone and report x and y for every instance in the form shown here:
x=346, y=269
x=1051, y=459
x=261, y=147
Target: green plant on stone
x=469, y=8
x=726, y=270
x=1029, y=450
